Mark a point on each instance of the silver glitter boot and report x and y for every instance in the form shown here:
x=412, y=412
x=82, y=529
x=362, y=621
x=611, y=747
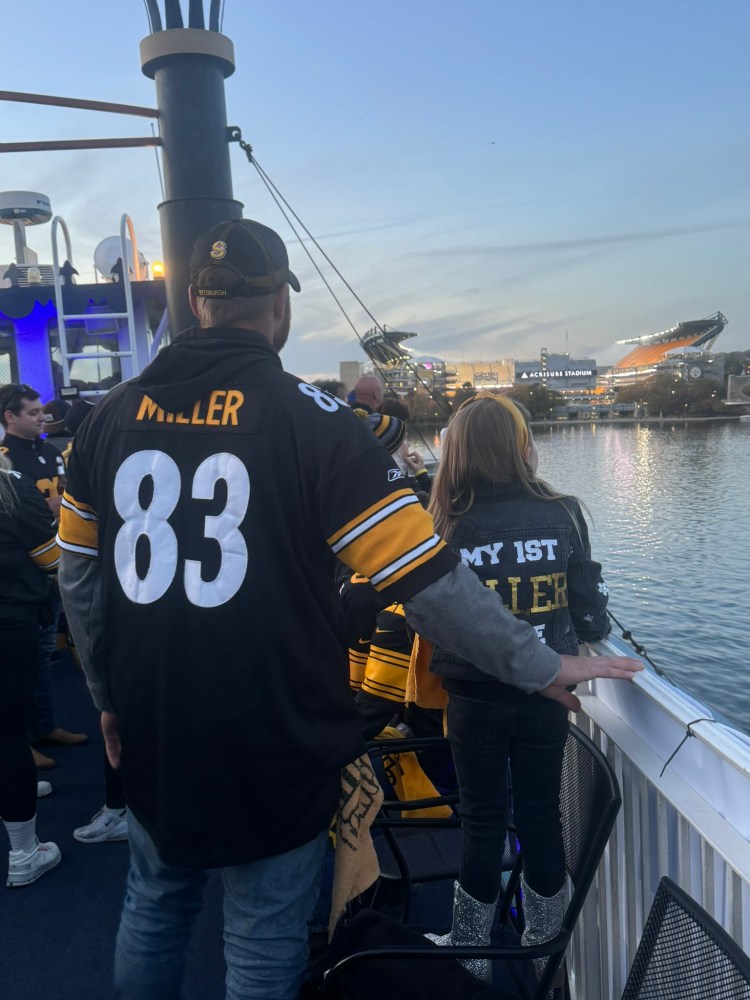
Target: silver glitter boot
x=472, y=922
x=543, y=916
x=444, y=939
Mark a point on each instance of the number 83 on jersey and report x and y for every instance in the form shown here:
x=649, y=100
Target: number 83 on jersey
x=152, y=523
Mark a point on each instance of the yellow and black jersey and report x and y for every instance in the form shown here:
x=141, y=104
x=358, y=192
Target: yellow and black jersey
x=380, y=643
x=39, y=460
x=217, y=493
x=387, y=663
x=382, y=693
x=28, y=553
x=361, y=604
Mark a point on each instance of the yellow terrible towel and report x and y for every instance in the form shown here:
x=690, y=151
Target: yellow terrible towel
x=356, y=865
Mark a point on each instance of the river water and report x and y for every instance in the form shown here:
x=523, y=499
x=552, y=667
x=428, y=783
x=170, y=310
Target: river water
x=670, y=523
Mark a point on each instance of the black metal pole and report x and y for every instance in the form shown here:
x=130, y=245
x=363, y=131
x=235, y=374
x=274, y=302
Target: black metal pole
x=189, y=66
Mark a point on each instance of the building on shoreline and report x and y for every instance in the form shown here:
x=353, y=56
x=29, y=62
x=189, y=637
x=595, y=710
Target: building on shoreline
x=559, y=372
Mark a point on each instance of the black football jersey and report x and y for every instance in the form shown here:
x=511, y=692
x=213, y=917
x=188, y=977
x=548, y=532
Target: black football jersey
x=217, y=491
x=39, y=460
x=28, y=553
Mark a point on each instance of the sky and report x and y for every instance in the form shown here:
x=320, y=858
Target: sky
x=497, y=177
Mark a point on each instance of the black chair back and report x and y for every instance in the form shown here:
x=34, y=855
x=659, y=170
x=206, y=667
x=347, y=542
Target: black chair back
x=589, y=802
x=685, y=953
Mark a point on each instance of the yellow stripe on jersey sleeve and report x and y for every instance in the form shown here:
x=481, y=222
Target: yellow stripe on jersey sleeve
x=386, y=675
x=357, y=664
x=377, y=511
x=47, y=555
x=79, y=528
x=389, y=544
x=84, y=510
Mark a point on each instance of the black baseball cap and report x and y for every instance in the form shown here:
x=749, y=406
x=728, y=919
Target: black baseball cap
x=239, y=258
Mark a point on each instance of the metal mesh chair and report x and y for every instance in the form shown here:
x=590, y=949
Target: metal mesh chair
x=589, y=802
x=414, y=849
x=684, y=953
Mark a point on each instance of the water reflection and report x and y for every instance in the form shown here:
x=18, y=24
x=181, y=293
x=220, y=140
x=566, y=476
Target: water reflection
x=671, y=524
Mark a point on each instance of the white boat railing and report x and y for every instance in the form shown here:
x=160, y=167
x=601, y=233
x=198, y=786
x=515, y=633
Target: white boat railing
x=689, y=819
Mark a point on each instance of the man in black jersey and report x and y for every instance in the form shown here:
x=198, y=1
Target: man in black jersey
x=22, y=415
x=207, y=502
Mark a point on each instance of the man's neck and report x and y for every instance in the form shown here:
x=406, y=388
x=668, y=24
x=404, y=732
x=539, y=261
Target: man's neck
x=257, y=326
x=27, y=442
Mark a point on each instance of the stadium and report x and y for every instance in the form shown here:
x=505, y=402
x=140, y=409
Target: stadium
x=685, y=347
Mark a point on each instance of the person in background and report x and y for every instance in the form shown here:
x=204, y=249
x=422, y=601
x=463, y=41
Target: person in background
x=332, y=386
x=110, y=823
x=393, y=406
x=73, y=419
x=367, y=394
x=360, y=601
x=78, y=413
x=55, y=424
x=411, y=464
x=23, y=418
x=529, y=544
x=408, y=460
x=28, y=555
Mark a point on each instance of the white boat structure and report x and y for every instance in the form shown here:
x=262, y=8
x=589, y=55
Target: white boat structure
x=685, y=783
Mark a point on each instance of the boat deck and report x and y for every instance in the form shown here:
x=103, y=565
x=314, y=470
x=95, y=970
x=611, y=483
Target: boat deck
x=685, y=814
x=58, y=934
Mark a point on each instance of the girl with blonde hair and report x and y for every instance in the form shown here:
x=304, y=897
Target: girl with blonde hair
x=530, y=545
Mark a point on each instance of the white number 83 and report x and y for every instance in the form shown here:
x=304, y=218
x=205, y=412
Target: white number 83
x=152, y=522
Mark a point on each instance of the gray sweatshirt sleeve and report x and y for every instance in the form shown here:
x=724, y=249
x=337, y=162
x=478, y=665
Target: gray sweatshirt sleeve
x=81, y=589
x=459, y=614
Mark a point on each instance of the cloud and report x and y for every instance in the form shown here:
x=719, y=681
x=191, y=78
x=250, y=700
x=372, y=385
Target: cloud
x=585, y=242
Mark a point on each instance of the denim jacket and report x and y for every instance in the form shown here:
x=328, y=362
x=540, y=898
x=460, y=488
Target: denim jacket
x=535, y=554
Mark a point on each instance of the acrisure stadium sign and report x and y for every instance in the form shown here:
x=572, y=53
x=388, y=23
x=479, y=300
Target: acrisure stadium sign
x=562, y=373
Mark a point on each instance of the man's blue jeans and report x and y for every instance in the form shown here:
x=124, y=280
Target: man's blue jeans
x=267, y=905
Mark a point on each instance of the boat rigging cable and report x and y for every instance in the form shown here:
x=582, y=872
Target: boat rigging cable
x=640, y=649
x=627, y=635
x=235, y=135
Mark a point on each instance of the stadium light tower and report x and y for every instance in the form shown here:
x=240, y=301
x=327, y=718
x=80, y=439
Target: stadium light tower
x=189, y=65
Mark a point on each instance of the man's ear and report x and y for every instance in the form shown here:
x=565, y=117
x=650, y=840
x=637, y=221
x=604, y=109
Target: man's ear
x=193, y=298
x=280, y=297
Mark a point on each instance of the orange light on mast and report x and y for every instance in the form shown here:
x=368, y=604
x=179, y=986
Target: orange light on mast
x=157, y=268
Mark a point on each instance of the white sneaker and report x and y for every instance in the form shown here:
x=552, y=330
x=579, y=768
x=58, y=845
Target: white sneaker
x=23, y=868
x=106, y=825
x=43, y=788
